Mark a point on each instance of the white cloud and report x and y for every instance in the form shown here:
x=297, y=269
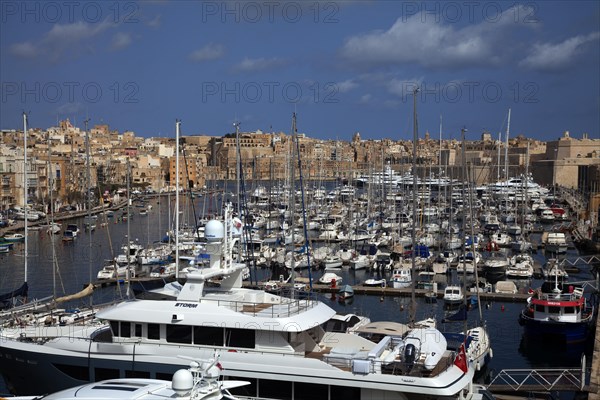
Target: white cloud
x=425, y=42
x=404, y=87
x=24, y=50
x=346, y=86
x=558, y=56
x=259, y=64
x=365, y=98
x=211, y=51
x=120, y=41
x=155, y=22
x=62, y=39
x=69, y=108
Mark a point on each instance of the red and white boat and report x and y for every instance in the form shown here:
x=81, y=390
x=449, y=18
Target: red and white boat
x=565, y=315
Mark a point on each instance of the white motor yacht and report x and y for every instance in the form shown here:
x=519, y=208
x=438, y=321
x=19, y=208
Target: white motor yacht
x=276, y=343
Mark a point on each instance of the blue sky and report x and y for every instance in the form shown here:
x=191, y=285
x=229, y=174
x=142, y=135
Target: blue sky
x=342, y=66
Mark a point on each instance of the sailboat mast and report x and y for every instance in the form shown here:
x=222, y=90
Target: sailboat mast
x=51, y=211
x=413, y=304
x=238, y=170
x=506, y=148
x=440, y=155
x=498, y=163
x=464, y=217
x=25, y=188
x=87, y=195
x=292, y=199
x=176, y=230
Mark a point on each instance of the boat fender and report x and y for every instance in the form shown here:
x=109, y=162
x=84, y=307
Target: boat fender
x=491, y=353
x=477, y=366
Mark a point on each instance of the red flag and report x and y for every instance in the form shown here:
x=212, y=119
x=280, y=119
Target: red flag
x=461, y=359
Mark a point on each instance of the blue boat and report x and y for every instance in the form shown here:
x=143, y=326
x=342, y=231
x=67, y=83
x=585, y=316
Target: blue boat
x=345, y=292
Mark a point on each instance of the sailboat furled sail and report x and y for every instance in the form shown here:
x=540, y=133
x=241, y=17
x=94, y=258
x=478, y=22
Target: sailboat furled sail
x=5, y=299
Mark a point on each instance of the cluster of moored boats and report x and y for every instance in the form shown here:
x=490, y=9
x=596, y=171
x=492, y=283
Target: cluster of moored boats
x=281, y=344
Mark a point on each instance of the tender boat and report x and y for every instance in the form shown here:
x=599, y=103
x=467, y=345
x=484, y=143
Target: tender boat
x=330, y=278
x=375, y=282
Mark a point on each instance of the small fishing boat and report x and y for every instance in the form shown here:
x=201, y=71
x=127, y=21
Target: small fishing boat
x=558, y=314
x=453, y=295
x=401, y=278
x=14, y=237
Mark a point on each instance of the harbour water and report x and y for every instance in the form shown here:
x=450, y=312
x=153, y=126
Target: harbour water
x=78, y=262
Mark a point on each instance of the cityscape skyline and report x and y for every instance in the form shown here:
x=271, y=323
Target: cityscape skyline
x=342, y=66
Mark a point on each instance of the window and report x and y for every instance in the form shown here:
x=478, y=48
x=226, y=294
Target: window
x=80, y=373
x=539, y=308
x=569, y=310
x=114, y=327
x=154, y=331
x=312, y=391
x=344, y=392
x=106, y=373
x=179, y=334
x=240, y=338
x=208, y=335
x=138, y=330
x=164, y=376
x=553, y=310
x=125, y=329
x=276, y=389
x=137, y=374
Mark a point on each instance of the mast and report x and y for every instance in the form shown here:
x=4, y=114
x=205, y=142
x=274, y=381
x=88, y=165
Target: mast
x=238, y=164
x=307, y=245
x=498, y=162
x=464, y=218
x=26, y=212
x=413, y=304
x=292, y=201
x=176, y=230
x=89, y=203
x=506, y=148
x=51, y=186
x=127, y=271
x=440, y=156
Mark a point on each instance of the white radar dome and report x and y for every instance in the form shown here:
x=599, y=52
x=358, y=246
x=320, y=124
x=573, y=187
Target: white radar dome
x=183, y=382
x=214, y=231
